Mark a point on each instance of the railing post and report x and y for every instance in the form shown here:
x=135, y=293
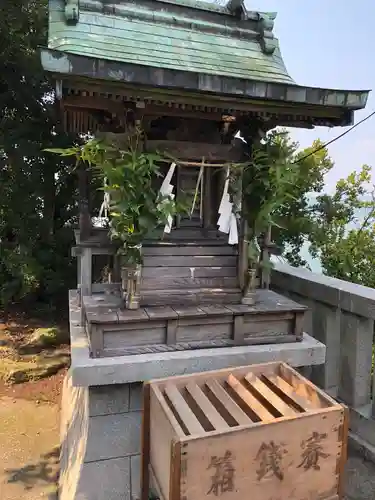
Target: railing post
x=356, y=357
x=326, y=329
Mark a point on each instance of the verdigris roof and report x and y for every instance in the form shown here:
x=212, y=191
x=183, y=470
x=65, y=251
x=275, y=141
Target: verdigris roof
x=180, y=34
x=186, y=46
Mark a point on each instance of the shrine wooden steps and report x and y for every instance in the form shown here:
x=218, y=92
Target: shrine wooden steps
x=189, y=273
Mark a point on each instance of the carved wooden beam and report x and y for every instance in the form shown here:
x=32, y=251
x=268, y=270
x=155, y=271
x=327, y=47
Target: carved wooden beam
x=97, y=103
x=185, y=150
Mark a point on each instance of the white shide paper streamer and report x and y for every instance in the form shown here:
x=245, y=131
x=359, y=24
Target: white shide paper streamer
x=166, y=189
x=227, y=221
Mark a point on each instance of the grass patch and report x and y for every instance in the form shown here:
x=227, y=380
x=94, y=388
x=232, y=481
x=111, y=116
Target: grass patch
x=17, y=371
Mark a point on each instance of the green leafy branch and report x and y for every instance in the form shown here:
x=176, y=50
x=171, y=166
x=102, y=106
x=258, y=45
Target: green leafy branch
x=267, y=182
x=137, y=209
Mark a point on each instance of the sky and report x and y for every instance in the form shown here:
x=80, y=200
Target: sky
x=329, y=44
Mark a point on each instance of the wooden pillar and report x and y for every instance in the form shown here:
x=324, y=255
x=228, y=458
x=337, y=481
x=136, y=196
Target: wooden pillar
x=250, y=132
x=266, y=260
x=83, y=203
x=207, y=198
x=86, y=271
x=242, y=253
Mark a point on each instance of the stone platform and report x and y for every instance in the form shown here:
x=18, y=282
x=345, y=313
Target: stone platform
x=102, y=408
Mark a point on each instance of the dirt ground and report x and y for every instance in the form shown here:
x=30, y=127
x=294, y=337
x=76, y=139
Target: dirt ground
x=29, y=411
x=29, y=439
x=29, y=433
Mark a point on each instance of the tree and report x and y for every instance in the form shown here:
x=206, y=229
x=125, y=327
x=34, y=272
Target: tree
x=344, y=229
x=294, y=223
x=37, y=191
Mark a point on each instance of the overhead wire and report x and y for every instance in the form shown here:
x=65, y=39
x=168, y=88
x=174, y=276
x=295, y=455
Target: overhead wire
x=323, y=146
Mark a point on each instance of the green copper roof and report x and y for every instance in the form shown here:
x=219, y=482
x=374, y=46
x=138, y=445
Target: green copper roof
x=180, y=35
x=186, y=47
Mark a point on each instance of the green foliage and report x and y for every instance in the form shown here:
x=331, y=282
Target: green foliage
x=294, y=222
x=37, y=192
x=137, y=209
x=269, y=188
x=268, y=181
x=344, y=234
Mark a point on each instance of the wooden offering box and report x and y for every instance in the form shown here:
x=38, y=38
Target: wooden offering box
x=262, y=432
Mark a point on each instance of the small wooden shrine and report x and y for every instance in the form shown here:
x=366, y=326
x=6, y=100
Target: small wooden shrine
x=194, y=75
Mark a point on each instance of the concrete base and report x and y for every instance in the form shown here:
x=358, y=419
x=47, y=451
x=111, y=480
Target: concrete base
x=102, y=407
x=100, y=442
x=362, y=431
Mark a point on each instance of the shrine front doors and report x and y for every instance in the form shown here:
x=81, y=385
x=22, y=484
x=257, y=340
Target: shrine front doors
x=203, y=190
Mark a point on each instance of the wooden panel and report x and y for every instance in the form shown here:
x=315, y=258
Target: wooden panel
x=169, y=249
x=208, y=208
x=187, y=296
x=221, y=375
x=190, y=420
x=253, y=404
x=200, y=320
x=272, y=461
x=269, y=301
x=193, y=261
x=101, y=301
x=198, y=326
x=164, y=283
x=145, y=443
x=283, y=408
x=100, y=315
x=306, y=388
x=161, y=435
x=164, y=110
x=206, y=406
x=270, y=339
x=133, y=326
x=186, y=272
x=184, y=150
x=162, y=312
x=191, y=311
x=199, y=236
x=287, y=390
x=102, y=288
x=129, y=316
x=135, y=337
x=175, y=474
x=154, y=486
x=238, y=331
x=230, y=405
x=216, y=310
x=272, y=316
x=204, y=332
x=187, y=182
x=96, y=339
x=86, y=272
x=265, y=326
x=172, y=328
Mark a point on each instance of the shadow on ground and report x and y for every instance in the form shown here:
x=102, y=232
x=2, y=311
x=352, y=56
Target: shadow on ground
x=29, y=449
x=43, y=472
